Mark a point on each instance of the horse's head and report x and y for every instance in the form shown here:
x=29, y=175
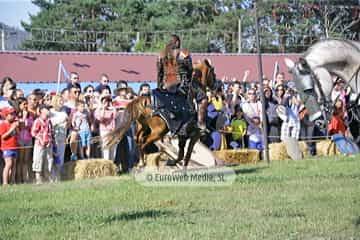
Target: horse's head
x=304, y=79
x=204, y=73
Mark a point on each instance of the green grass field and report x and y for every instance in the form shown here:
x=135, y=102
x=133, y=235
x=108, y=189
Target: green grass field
x=309, y=199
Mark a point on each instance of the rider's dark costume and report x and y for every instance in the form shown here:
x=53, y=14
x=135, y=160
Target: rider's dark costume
x=173, y=99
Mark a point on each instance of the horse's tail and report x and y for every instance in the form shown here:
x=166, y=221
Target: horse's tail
x=132, y=112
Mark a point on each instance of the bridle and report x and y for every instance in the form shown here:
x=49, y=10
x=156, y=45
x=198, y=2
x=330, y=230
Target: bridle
x=325, y=101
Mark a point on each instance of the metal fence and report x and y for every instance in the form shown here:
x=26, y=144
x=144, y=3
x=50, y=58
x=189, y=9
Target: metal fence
x=195, y=40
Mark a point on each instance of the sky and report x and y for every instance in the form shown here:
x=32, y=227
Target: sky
x=12, y=12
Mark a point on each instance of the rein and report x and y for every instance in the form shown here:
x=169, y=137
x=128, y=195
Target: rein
x=355, y=75
x=326, y=100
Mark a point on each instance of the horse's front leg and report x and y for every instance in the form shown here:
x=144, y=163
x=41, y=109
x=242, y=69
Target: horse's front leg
x=141, y=157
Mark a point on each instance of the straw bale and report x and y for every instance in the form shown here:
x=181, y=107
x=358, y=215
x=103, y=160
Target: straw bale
x=238, y=156
x=91, y=168
x=304, y=149
x=155, y=159
x=277, y=151
x=326, y=148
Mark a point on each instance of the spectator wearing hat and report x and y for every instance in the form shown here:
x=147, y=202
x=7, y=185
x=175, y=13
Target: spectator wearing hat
x=106, y=115
x=43, y=146
x=8, y=133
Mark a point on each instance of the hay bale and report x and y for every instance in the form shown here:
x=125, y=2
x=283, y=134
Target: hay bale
x=277, y=151
x=238, y=156
x=304, y=149
x=92, y=168
x=326, y=148
x=155, y=159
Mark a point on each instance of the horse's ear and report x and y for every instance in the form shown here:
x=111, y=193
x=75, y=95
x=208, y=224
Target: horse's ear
x=289, y=63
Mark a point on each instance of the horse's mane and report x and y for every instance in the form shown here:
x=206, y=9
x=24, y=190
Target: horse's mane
x=201, y=70
x=331, y=51
x=334, y=57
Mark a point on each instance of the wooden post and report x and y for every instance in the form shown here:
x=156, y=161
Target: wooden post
x=262, y=97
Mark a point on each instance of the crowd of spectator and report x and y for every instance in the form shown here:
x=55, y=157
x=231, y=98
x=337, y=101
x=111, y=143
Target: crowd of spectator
x=43, y=129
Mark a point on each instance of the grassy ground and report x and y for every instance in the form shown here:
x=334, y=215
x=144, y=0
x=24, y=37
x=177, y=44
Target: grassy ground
x=310, y=199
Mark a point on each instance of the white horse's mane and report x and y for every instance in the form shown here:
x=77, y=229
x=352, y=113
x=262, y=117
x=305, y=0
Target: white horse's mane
x=335, y=56
x=333, y=51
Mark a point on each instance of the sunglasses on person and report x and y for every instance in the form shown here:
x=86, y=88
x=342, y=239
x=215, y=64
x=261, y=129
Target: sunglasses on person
x=251, y=93
x=279, y=89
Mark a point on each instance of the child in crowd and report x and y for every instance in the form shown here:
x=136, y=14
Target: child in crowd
x=255, y=133
x=81, y=124
x=8, y=132
x=106, y=115
x=59, y=120
x=238, y=126
x=24, y=140
x=43, y=153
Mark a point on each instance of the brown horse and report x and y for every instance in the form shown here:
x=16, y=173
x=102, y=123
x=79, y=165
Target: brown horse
x=153, y=128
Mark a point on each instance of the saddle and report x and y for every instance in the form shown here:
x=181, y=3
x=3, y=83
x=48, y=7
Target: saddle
x=173, y=107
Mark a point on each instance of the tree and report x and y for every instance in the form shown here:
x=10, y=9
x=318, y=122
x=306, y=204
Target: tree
x=203, y=25
x=95, y=25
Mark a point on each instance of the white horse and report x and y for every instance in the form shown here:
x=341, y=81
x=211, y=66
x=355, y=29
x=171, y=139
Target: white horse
x=313, y=74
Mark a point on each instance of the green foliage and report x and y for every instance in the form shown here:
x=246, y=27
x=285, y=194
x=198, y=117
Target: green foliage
x=111, y=25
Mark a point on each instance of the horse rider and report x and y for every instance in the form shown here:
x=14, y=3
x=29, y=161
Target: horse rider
x=175, y=71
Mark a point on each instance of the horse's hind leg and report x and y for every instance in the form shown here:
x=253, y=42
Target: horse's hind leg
x=182, y=143
x=190, y=148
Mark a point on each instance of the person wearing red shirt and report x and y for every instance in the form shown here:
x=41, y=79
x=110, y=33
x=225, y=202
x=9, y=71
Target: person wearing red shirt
x=43, y=154
x=8, y=132
x=337, y=123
